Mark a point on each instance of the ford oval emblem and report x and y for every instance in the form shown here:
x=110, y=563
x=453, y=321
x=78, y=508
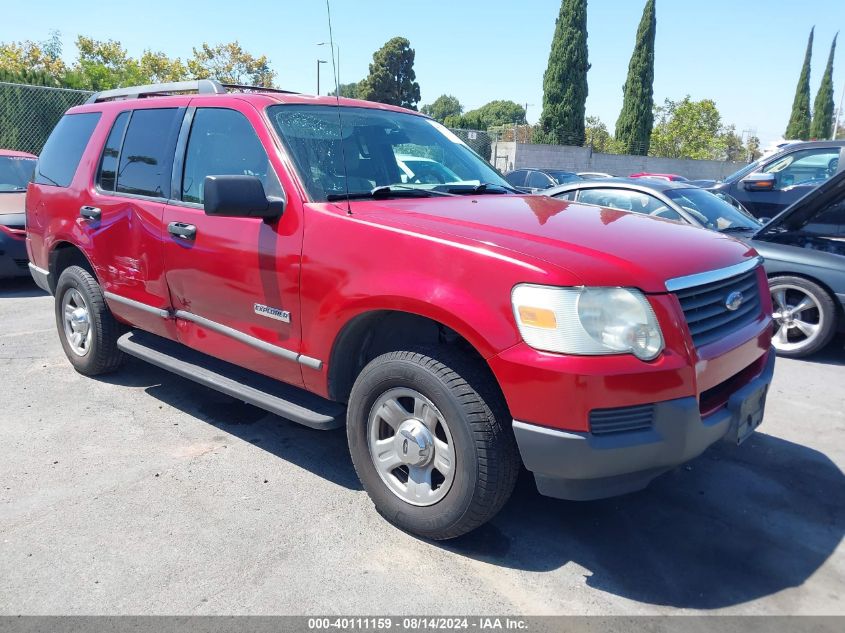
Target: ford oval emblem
x=734, y=300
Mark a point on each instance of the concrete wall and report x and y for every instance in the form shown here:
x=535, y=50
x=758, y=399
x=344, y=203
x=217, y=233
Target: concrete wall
x=507, y=156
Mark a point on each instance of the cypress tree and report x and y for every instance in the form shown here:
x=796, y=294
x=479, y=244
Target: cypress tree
x=822, y=124
x=565, y=80
x=633, y=128
x=799, y=120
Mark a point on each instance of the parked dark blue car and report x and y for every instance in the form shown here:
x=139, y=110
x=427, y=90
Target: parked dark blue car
x=771, y=184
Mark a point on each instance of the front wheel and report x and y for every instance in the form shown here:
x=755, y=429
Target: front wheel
x=431, y=443
x=804, y=315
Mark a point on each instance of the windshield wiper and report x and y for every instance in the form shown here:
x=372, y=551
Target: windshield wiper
x=484, y=187
x=387, y=191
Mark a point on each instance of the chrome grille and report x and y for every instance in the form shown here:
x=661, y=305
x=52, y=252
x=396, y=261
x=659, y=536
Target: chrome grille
x=622, y=419
x=707, y=314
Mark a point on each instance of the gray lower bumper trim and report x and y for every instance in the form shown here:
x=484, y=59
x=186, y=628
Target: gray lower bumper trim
x=580, y=466
x=41, y=277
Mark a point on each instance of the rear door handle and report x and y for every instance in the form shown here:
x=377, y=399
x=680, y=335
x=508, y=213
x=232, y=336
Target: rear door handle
x=90, y=213
x=182, y=231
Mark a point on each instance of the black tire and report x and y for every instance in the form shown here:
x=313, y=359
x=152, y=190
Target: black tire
x=827, y=315
x=487, y=459
x=102, y=355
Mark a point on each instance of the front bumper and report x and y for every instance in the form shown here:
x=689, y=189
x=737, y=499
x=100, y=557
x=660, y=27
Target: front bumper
x=582, y=466
x=13, y=258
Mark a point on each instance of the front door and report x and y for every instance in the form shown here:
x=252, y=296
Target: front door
x=234, y=282
x=796, y=174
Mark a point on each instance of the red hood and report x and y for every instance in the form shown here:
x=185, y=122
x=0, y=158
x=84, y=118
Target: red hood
x=602, y=247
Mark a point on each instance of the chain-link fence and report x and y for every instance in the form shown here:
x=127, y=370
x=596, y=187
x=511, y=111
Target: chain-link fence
x=29, y=113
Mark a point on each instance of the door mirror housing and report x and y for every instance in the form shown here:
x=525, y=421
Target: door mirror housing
x=759, y=182
x=239, y=197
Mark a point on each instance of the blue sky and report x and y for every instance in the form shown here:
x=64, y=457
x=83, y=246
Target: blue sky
x=744, y=55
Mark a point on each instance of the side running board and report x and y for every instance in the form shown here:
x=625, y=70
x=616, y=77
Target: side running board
x=271, y=395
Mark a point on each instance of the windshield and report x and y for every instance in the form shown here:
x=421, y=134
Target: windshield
x=380, y=148
x=711, y=211
x=15, y=172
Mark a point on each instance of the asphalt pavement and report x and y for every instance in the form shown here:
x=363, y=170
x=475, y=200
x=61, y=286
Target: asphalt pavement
x=143, y=493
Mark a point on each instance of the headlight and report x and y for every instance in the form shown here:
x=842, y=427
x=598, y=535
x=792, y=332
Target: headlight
x=587, y=320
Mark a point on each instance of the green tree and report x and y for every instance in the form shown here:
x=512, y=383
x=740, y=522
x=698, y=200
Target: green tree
x=822, y=124
x=687, y=129
x=799, y=120
x=102, y=65
x=470, y=121
x=633, y=128
x=231, y=64
x=730, y=144
x=392, y=78
x=444, y=106
x=350, y=91
x=752, y=148
x=498, y=113
x=159, y=68
x=597, y=135
x=34, y=57
x=565, y=79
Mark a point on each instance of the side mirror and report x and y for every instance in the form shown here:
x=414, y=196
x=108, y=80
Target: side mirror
x=759, y=182
x=239, y=197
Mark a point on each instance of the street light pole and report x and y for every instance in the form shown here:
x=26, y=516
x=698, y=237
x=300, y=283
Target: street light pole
x=337, y=59
x=319, y=61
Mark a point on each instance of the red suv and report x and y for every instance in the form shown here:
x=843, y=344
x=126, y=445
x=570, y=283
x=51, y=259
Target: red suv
x=269, y=245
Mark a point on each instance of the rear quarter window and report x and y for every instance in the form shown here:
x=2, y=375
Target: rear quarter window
x=63, y=150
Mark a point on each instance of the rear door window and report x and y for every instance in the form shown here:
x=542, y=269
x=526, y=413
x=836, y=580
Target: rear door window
x=63, y=150
x=146, y=158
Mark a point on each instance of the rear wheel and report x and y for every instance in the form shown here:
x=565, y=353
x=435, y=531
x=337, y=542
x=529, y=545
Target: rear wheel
x=87, y=330
x=430, y=442
x=804, y=315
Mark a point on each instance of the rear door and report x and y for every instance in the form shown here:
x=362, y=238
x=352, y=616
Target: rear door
x=122, y=214
x=234, y=282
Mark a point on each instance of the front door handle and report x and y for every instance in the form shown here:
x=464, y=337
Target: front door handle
x=182, y=231
x=90, y=213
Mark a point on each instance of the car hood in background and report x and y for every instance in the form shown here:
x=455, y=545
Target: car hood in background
x=12, y=202
x=602, y=247
x=805, y=209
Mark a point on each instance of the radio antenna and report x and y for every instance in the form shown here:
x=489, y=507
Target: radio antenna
x=339, y=116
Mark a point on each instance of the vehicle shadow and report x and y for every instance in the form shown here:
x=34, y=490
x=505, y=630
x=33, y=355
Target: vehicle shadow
x=734, y=525
x=832, y=354
x=20, y=288
x=322, y=452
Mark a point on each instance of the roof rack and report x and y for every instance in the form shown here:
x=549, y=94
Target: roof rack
x=199, y=86
x=258, y=89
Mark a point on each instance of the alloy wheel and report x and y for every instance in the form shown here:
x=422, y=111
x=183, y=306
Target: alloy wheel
x=76, y=318
x=411, y=446
x=798, y=317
